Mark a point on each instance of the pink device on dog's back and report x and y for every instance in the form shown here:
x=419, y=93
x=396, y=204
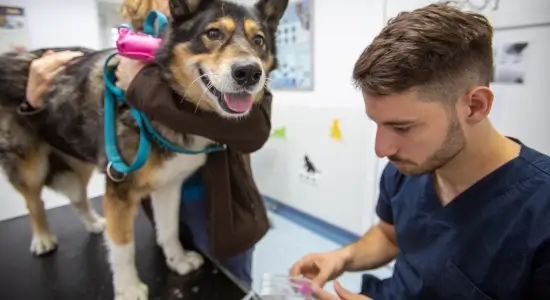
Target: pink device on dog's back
x=135, y=45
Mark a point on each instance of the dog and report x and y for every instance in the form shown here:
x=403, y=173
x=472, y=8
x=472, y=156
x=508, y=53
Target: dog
x=215, y=54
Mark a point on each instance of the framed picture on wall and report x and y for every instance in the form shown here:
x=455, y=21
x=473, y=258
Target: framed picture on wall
x=13, y=29
x=294, y=40
x=474, y=5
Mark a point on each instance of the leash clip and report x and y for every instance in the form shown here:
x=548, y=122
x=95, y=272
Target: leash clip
x=110, y=170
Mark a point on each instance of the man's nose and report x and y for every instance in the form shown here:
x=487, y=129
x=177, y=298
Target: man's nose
x=383, y=144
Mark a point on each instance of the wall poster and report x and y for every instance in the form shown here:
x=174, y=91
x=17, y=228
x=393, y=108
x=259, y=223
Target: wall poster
x=14, y=34
x=294, y=40
x=509, y=61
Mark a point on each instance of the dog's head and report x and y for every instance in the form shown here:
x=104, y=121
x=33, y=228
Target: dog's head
x=219, y=54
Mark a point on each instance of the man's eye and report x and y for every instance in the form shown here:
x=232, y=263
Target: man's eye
x=402, y=129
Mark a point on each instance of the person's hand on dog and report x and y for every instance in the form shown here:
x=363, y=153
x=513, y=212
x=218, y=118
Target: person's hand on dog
x=342, y=294
x=43, y=70
x=126, y=71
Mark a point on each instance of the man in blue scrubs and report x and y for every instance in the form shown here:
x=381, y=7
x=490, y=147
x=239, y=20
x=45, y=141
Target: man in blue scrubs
x=464, y=210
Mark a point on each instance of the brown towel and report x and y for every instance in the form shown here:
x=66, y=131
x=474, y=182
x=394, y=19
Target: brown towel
x=236, y=216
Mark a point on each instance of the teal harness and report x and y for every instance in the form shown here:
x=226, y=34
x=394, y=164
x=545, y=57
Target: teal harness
x=114, y=96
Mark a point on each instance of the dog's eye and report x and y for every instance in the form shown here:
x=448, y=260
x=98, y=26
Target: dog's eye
x=214, y=34
x=258, y=40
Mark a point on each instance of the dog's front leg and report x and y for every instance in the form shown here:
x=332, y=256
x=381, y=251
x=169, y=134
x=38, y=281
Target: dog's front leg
x=166, y=211
x=120, y=214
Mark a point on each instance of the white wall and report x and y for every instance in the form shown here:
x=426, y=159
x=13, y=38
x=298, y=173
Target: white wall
x=109, y=17
x=346, y=166
x=54, y=23
x=60, y=23
x=346, y=193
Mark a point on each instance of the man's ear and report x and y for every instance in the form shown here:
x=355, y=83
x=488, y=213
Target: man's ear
x=182, y=10
x=479, y=102
x=271, y=11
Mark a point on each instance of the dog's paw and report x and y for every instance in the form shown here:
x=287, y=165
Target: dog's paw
x=179, y=265
x=139, y=291
x=97, y=226
x=179, y=260
x=195, y=259
x=43, y=243
x=184, y=263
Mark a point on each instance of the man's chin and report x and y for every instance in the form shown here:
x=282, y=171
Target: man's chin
x=409, y=169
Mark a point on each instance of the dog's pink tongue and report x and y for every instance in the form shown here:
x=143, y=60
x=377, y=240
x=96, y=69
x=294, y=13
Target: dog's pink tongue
x=239, y=102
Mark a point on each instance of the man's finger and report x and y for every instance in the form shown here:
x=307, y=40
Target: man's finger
x=48, y=52
x=51, y=75
x=124, y=59
x=345, y=294
x=296, y=269
x=321, y=278
x=321, y=294
x=66, y=56
x=54, y=61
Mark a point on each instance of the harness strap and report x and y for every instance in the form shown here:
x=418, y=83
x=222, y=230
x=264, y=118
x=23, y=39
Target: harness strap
x=112, y=95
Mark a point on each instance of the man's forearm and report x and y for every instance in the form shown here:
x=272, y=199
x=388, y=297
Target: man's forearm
x=373, y=250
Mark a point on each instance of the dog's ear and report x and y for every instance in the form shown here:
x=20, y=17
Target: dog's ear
x=272, y=11
x=182, y=10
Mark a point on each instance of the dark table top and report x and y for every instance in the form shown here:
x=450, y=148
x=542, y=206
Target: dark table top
x=78, y=269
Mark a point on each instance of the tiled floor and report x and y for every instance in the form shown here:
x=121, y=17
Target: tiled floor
x=287, y=242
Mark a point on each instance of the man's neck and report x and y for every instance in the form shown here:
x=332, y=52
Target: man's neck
x=483, y=154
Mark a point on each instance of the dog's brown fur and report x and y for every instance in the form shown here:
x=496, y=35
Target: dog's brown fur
x=210, y=35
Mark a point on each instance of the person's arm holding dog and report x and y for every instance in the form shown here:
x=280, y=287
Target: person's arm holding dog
x=41, y=73
x=33, y=110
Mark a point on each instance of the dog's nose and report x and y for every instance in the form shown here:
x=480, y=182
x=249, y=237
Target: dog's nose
x=246, y=74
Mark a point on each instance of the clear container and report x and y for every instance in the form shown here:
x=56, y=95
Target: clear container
x=283, y=287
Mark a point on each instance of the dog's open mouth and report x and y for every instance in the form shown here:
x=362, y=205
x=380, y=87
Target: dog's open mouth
x=231, y=102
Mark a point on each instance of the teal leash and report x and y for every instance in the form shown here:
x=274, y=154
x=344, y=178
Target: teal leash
x=114, y=96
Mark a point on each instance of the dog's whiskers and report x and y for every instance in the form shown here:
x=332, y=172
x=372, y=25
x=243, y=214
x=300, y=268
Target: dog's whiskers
x=200, y=99
x=209, y=86
x=192, y=82
x=267, y=79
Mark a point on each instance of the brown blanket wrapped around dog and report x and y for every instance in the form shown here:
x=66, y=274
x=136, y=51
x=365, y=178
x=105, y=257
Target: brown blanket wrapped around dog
x=236, y=214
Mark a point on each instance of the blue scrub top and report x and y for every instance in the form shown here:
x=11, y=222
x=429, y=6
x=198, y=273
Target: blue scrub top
x=490, y=242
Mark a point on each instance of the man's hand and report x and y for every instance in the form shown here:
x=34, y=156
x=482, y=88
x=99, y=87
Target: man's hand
x=43, y=70
x=126, y=71
x=320, y=267
x=342, y=294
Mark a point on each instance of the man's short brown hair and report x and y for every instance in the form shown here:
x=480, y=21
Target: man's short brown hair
x=437, y=48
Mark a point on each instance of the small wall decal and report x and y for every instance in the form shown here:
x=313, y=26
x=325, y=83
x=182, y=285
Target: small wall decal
x=310, y=173
x=279, y=133
x=335, y=132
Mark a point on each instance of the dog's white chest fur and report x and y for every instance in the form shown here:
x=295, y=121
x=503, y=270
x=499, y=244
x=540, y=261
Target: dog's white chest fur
x=181, y=166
